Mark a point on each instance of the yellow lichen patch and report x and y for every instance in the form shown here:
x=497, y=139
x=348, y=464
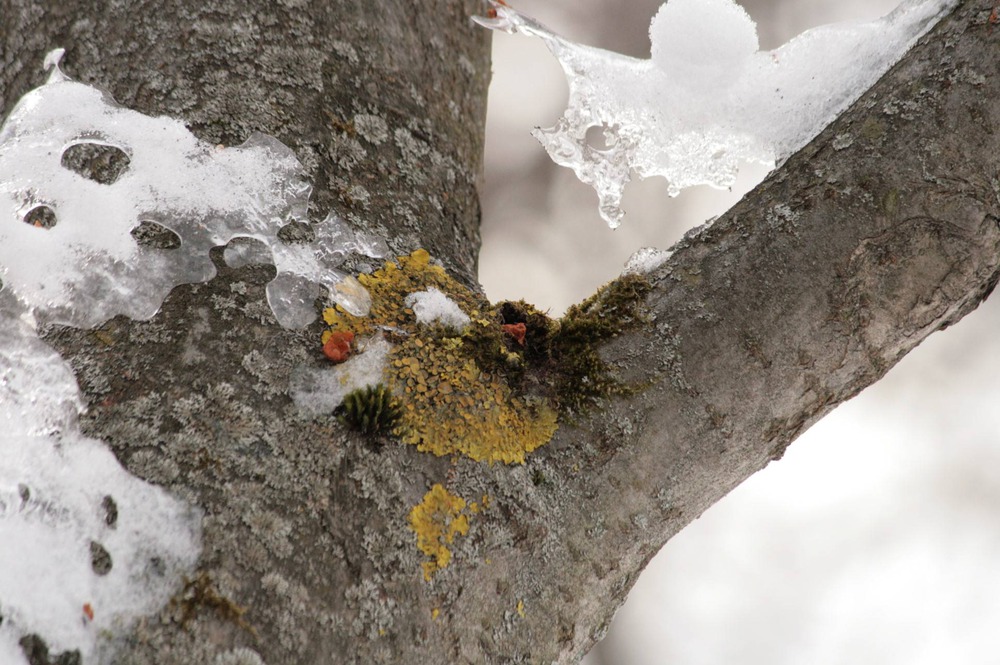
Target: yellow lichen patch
x=453, y=388
x=388, y=288
x=451, y=406
x=437, y=520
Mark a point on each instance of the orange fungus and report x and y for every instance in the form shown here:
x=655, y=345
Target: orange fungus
x=515, y=330
x=338, y=347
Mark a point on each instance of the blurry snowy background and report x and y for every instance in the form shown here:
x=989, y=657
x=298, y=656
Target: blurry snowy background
x=876, y=540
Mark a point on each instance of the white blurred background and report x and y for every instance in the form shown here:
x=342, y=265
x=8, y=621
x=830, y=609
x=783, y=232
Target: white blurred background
x=876, y=540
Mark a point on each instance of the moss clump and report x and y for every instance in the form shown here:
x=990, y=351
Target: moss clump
x=437, y=520
x=581, y=376
x=371, y=409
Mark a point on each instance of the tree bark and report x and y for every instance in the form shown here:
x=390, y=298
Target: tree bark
x=883, y=230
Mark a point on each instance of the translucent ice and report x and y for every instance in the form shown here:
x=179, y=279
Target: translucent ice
x=303, y=266
x=646, y=260
x=320, y=391
x=87, y=267
x=708, y=99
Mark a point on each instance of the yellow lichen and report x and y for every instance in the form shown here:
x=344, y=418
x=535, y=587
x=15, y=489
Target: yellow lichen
x=454, y=397
x=437, y=520
x=451, y=406
x=388, y=288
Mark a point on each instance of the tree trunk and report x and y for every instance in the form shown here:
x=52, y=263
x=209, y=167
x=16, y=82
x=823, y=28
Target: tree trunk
x=883, y=230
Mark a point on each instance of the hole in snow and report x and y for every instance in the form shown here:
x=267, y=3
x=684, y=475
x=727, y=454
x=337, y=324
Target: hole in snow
x=157, y=567
x=296, y=232
x=157, y=236
x=42, y=217
x=100, y=560
x=245, y=251
x=599, y=137
x=96, y=161
x=110, y=511
x=36, y=651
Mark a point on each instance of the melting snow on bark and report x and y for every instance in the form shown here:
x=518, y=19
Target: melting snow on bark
x=708, y=99
x=86, y=549
x=320, y=391
x=88, y=267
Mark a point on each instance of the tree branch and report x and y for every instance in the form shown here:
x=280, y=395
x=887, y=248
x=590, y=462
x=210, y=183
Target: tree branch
x=881, y=231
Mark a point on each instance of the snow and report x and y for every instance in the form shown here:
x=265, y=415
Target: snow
x=88, y=268
x=320, y=391
x=708, y=99
x=67, y=507
x=56, y=486
x=432, y=306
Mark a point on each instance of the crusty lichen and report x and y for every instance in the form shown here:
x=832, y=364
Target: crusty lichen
x=389, y=287
x=437, y=520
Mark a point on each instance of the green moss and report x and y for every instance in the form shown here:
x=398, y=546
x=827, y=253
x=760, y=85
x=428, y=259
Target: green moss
x=371, y=409
x=581, y=376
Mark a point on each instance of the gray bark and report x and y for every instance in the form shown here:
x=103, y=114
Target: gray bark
x=803, y=294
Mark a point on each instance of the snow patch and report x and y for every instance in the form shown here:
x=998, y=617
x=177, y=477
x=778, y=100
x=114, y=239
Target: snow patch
x=708, y=99
x=87, y=548
x=432, y=306
x=87, y=267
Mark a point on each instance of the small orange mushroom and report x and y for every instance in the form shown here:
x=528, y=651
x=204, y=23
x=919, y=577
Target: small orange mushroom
x=515, y=330
x=338, y=347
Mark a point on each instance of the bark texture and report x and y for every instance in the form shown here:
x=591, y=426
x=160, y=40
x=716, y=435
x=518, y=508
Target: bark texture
x=883, y=230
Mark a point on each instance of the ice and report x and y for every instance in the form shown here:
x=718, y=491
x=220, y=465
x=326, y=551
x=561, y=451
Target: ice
x=38, y=392
x=320, y=391
x=303, y=266
x=432, y=306
x=646, y=260
x=708, y=99
x=88, y=268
